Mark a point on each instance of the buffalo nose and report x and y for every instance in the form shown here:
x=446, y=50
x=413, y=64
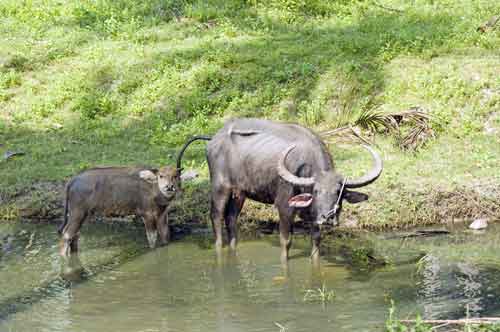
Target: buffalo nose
x=327, y=220
x=323, y=219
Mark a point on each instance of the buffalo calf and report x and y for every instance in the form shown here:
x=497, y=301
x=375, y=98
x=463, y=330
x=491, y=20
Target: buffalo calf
x=119, y=191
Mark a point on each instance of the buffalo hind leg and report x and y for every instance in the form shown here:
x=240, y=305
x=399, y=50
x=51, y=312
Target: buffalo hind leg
x=220, y=198
x=233, y=210
x=71, y=233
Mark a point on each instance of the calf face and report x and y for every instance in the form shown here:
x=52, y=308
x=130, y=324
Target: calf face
x=166, y=177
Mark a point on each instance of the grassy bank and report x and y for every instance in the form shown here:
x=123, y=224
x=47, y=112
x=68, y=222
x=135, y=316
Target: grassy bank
x=121, y=82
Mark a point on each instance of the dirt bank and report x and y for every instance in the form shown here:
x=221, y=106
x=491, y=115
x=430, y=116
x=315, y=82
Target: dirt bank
x=394, y=209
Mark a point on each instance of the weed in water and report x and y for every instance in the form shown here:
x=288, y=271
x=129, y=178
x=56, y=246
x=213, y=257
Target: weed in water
x=321, y=295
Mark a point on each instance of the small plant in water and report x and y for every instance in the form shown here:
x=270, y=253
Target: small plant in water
x=281, y=327
x=322, y=295
x=392, y=324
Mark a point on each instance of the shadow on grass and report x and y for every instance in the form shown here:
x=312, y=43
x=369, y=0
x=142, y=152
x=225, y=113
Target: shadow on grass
x=249, y=77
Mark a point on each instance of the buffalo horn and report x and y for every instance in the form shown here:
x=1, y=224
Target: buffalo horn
x=287, y=175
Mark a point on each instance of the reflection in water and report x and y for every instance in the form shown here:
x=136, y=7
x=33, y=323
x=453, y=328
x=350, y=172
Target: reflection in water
x=72, y=269
x=430, y=289
x=454, y=287
x=469, y=282
x=455, y=290
x=117, y=284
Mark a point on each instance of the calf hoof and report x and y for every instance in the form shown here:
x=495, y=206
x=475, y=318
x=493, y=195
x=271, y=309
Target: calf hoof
x=73, y=269
x=152, y=237
x=218, y=249
x=65, y=249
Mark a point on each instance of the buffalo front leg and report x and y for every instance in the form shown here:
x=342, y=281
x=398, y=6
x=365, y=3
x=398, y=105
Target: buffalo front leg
x=220, y=198
x=286, y=220
x=315, y=239
x=233, y=210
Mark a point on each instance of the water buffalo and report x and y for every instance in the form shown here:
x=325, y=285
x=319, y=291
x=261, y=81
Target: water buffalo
x=277, y=163
x=119, y=191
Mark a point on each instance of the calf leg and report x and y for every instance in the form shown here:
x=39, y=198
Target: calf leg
x=233, y=210
x=220, y=198
x=151, y=232
x=74, y=245
x=71, y=232
x=162, y=227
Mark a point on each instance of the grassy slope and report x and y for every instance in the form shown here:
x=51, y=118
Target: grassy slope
x=108, y=83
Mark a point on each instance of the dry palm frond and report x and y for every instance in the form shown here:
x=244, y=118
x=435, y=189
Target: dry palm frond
x=415, y=113
x=420, y=129
x=334, y=132
x=416, y=137
x=372, y=120
x=346, y=134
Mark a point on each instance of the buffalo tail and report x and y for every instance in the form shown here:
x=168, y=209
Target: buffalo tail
x=181, y=152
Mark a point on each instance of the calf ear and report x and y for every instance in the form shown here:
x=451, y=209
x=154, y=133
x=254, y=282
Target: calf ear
x=148, y=175
x=354, y=196
x=300, y=201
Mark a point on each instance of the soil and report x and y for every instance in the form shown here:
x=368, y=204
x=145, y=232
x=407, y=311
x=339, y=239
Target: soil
x=43, y=202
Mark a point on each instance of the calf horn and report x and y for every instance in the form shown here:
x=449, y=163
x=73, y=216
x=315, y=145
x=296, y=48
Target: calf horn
x=287, y=175
x=372, y=175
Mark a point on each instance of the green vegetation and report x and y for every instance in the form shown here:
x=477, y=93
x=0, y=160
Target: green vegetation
x=125, y=82
x=393, y=324
x=321, y=295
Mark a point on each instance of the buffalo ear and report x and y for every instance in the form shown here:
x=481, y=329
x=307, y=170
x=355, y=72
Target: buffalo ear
x=149, y=175
x=300, y=201
x=354, y=197
x=189, y=175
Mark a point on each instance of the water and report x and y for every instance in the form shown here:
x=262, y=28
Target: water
x=184, y=287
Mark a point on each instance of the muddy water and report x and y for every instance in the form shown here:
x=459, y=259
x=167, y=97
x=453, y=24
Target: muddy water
x=122, y=286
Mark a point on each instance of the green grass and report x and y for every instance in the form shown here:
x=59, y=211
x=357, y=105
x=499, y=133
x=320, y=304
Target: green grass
x=124, y=82
x=321, y=295
x=393, y=324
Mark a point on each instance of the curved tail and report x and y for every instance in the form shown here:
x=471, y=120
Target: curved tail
x=65, y=222
x=181, y=152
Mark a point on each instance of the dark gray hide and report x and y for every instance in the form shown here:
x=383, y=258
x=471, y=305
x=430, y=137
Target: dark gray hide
x=282, y=164
x=119, y=191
